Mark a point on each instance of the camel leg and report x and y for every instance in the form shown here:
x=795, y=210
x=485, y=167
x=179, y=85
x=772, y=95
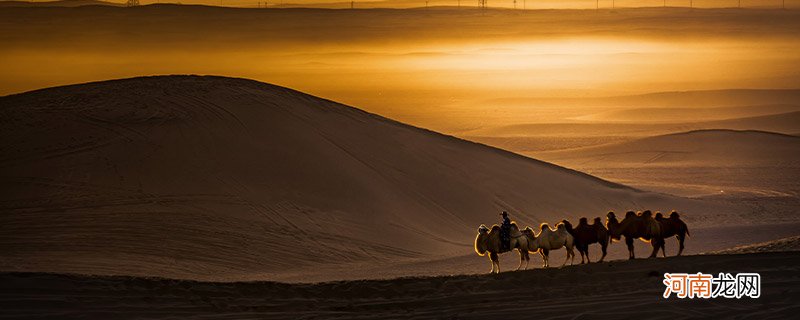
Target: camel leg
x=495, y=262
x=663, y=248
x=545, y=255
x=527, y=260
x=521, y=259
x=629, y=242
x=656, y=243
x=588, y=260
x=605, y=249
x=571, y=255
x=681, y=237
x=584, y=251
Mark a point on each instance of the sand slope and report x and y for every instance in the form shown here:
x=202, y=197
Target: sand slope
x=220, y=178
x=780, y=245
x=714, y=148
x=697, y=163
x=617, y=290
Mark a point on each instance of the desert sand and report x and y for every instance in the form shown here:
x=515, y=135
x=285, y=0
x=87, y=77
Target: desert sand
x=707, y=162
x=613, y=290
x=213, y=178
x=780, y=245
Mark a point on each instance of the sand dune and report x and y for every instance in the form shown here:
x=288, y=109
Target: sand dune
x=780, y=245
x=713, y=148
x=616, y=290
x=696, y=163
x=787, y=123
x=220, y=178
x=673, y=115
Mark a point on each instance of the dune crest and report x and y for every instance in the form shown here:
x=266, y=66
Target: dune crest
x=221, y=178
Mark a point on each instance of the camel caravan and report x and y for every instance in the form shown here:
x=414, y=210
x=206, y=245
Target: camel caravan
x=642, y=225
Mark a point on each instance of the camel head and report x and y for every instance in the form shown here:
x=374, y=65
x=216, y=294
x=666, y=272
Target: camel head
x=481, y=239
x=612, y=224
x=567, y=224
x=528, y=231
x=617, y=229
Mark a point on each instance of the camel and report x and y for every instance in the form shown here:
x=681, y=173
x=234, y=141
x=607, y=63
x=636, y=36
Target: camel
x=586, y=234
x=671, y=227
x=549, y=239
x=489, y=241
x=641, y=225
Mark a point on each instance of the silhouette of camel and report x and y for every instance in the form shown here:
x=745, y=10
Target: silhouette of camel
x=671, y=227
x=489, y=241
x=549, y=239
x=586, y=234
x=641, y=225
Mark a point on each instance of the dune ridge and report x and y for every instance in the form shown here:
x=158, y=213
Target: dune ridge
x=206, y=177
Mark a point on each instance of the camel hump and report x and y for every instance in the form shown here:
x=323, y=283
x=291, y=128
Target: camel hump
x=597, y=220
x=543, y=226
x=583, y=220
x=674, y=215
x=495, y=228
x=527, y=230
x=647, y=213
x=561, y=226
x=659, y=216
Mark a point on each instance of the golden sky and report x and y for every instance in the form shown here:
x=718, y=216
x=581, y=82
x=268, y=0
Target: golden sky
x=412, y=65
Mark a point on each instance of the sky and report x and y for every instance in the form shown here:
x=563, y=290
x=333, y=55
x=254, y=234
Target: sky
x=441, y=69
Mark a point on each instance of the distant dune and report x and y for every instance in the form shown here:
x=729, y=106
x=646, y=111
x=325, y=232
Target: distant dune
x=704, y=162
x=681, y=114
x=787, y=123
x=712, y=148
x=220, y=178
x=671, y=99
